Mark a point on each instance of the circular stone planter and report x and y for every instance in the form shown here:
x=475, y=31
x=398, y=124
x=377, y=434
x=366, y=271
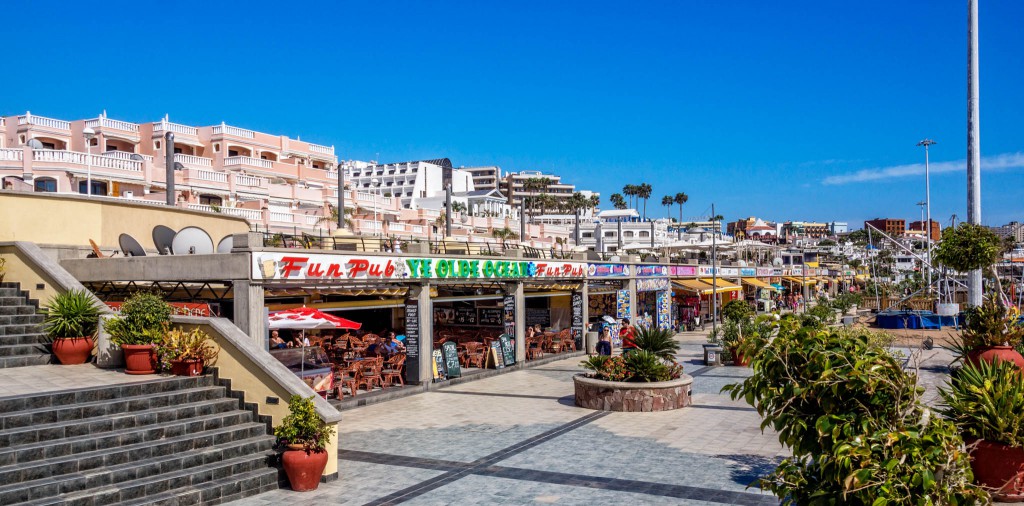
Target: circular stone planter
x=632, y=397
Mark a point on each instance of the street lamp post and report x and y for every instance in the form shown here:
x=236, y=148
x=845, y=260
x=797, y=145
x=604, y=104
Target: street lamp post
x=928, y=206
x=88, y=133
x=374, y=182
x=714, y=274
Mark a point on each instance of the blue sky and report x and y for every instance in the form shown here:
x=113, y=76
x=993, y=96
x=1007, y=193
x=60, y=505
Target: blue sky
x=784, y=110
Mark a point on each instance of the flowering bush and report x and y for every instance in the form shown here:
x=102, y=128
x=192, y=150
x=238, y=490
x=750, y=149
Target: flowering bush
x=636, y=366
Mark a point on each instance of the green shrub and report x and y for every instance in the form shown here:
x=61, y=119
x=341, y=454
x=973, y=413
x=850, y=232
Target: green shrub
x=661, y=342
x=638, y=365
x=736, y=310
x=991, y=325
x=853, y=421
x=303, y=426
x=968, y=247
x=143, y=320
x=646, y=366
x=825, y=313
x=73, y=313
x=987, y=402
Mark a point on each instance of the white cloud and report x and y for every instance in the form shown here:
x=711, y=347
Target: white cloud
x=1006, y=161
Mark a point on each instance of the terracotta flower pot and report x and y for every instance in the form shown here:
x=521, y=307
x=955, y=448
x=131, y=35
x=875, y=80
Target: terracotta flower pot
x=192, y=367
x=304, y=469
x=73, y=350
x=138, y=358
x=999, y=467
x=737, y=358
x=990, y=353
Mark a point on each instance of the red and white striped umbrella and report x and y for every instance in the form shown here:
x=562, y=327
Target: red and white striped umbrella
x=308, y=318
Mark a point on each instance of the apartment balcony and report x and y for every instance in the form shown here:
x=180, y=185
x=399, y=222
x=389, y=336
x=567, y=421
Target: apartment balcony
x=12, y=155
x=253, y=215
x=163, y=127
x=296, y=192
x=193, y=161
x=248, y=163
x=200, y=179
x=79, y=163
x=30, y=119
x=125, y=155
x=241, y=133
x=251, y=184
x=114, y=129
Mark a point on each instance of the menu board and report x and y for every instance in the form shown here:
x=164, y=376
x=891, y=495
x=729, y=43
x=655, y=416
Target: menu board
x=510, y=314
x=465, y=316
x=438, y=364
x=577, y=318
x=664, y=310
x=508, y=350
x=451, y=359
x=538, y=316
x=490, y=316
x=495, y=355
x=412, y=341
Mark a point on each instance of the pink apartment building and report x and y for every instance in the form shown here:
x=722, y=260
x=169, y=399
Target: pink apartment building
x=277, y=183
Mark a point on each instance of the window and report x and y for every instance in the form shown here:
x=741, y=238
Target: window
x=46, y=185
x=94, y=142
x=628, y=233
x=111, y=147
x=609, y=234
x=588, y=235
x=211, y=200
x=49, y=145
x=232, y=152
x=644, y=233
x=156, y=144
x=177, y=151
x=98, y=187
x=216, y=147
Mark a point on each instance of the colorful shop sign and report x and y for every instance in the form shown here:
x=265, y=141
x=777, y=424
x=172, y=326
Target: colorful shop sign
x=607, y=270
x=651, y=284
x=707, y=270
x=764, y=272
x=288, y=266
x=683, y=270
x=748, y=272
x=646, y=271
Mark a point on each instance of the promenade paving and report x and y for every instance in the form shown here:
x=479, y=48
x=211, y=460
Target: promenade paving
x=518, y=438
x=38, y=379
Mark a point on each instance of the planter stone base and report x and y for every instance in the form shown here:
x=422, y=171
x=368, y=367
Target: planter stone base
x=632, y=397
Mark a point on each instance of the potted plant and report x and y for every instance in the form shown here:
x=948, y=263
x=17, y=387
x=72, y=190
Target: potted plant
x=986, y=403
x=140, y=326
x=70, y=320
x=990, y=332
x=186, y=352
x=305, y=436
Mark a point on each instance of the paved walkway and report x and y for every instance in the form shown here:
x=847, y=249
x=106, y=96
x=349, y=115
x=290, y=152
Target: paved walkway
x=517, y=438
x=52, y=378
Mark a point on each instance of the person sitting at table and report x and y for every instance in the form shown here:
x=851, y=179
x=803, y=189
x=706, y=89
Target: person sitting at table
x=296, y=342
x=275, y=340
x=529, y=332
x=390, y=345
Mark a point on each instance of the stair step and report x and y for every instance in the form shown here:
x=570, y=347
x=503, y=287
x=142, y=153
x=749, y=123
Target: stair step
x=15, y=350
x=11, y=300
x=18, y=310
x=9, y=291
x=105, y=403
x=143, y=387
x=154, y=480
x=6, y=330
x=62, y=429
x=220, y=461
x=49, y=469
x=31, y=338
x=24, y=361
x=21, y=319
x=106, y=437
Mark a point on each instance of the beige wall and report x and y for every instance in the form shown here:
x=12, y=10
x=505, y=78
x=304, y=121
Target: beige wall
x=73, y=220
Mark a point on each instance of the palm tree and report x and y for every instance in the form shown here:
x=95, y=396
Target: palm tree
x=681, y=199
x=667, y=201
x=504, y=234
x=333, y=218
x=644, y=192
x=629, y=191
x=617, y=201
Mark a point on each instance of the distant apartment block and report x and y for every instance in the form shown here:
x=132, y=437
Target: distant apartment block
x=893, y=226
x=919, y=226
x=409, y=181
x=486, y=177
x=1011, y=229
x=810, y=229
x=838, y=227
x=517, y=187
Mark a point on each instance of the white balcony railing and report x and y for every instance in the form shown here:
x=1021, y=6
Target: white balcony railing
x=249, y=214
x=323, y=150
x=167, y=126
x=209, y=175
x=251, y=181
x=368, y=225
x=102, y=122
x=12, y=154
x=417, y=229
x=124, y=155
x=281, y=217
x=76, y=158
x=195, y=161
x=313, y=219
x=223, y=129
x=30, y=119
x=236, y=161
x=371, y=198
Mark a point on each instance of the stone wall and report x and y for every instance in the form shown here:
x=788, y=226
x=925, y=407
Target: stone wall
x=632, y=397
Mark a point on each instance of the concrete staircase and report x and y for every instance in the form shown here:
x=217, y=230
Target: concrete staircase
x=168, y=441
x=22, y=341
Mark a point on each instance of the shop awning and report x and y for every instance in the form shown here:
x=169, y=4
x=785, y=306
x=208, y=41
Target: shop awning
x=799, y=281
x=692, y=285
x=758, y=283
x=722, y=285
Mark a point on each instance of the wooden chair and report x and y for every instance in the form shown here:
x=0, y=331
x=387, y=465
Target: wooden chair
x=475, y=354
x=347, y=376
x=369, y=373
x=569, y=342
x=393, y=369
x=534, y=347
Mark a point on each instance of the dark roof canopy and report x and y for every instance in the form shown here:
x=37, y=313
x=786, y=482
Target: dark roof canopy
x=443, y=162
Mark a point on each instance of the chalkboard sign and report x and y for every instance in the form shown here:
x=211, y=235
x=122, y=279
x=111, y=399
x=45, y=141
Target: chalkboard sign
x=412, y=341
x=538, y=316
x=495, y=355
x=465, y=316
x=510, y=314
x=451, y=359
x=508, y=351
x=490, y=316
x=438, y=364
x=577, y=319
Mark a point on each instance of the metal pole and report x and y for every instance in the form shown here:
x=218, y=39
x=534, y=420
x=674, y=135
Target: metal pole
x=522, y=220
x=928, y=205
x=974, y=287
x=341, y=197
x=714, y=274
x=448, y=211
x=618, y=233
x=652, y=233
x=169, y=162
x=576, y=230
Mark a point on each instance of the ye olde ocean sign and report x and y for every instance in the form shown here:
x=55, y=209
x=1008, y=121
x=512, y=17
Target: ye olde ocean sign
x=291, y=266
